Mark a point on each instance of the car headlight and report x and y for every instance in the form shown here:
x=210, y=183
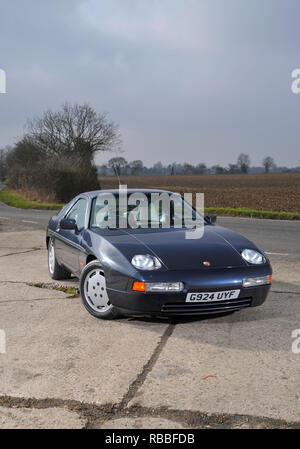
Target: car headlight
x=158, y=287
x=145, y=262
x=164, y=287
x=256, y=282
x=252, y=256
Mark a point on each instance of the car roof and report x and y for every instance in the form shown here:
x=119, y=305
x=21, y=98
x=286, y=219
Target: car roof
x=130, y=191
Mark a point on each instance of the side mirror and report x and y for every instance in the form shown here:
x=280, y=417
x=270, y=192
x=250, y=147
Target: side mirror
x=211, y=218
x=67, y=223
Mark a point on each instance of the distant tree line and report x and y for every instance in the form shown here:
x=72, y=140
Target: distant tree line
x=120, y=166
x=55, y=160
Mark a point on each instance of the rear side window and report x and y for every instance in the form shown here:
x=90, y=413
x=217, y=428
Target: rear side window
x=78, y=212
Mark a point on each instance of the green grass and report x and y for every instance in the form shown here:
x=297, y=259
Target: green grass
x=244, y=212
x=14, y=199
x=68, y=290
x=60, y=288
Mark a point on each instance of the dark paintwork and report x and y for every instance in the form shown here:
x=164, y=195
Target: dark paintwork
x=182, y=260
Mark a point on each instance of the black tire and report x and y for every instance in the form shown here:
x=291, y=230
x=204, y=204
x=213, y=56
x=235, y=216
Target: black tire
x=57, y=272
x=109, y=311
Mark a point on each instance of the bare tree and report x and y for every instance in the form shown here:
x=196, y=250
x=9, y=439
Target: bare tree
x=158, y=168
x=188, y=169
x=25, y=154
x=218, y=169
x=136, y=167
x=201, y=168
x=243, y=162
x=77, y=129
x=172, y=168
x=117, y=164
x=268, y=163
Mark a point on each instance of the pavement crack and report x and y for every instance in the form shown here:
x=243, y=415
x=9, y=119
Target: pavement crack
x=140, y=379
x=95, y=415
x=13, y=282
x=87, y=411
x=286, y=292
x=197, y=419
x=33, y=300
x=68, y=289
x=21, y=252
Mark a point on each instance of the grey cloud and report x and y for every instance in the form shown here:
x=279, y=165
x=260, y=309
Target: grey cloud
x=186, y=79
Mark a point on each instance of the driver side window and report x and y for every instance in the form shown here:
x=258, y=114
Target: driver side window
x=77, y=213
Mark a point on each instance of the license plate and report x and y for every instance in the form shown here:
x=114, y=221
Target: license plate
x=213, y=296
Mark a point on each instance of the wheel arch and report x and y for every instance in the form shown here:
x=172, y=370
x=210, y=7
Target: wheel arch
x=90, y=258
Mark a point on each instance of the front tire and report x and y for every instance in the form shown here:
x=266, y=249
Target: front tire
x=94, y=294
x=56, y=271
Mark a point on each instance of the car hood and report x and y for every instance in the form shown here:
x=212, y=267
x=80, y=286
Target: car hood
x=218, y=246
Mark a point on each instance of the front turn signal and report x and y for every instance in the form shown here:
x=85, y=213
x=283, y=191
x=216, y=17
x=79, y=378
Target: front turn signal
x=139, y=286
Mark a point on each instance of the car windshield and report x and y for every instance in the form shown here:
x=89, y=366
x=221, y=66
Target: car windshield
x=140, y=210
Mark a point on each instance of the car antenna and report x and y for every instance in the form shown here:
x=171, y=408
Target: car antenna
x=117, y=175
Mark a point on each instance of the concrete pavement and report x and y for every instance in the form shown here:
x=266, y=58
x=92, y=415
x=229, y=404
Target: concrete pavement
x=64, y=368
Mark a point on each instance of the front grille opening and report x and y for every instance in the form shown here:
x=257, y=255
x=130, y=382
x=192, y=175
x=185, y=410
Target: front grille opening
x=202, y=308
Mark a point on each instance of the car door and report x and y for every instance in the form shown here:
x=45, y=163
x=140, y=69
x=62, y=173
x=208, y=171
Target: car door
x=68, y=246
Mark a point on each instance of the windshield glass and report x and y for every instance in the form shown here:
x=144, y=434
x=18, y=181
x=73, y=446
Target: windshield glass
x=140, y=210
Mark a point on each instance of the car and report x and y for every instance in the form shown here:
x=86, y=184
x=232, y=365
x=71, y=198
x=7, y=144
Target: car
x=157, y=270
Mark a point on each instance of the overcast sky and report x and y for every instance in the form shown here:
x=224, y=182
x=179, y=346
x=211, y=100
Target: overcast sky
x=187, y=80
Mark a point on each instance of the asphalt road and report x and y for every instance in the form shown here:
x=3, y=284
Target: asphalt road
x=63, y=368
x=31, y=218
x=276, y=237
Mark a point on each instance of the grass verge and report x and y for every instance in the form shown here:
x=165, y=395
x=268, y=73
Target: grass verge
x=244, y=212
x=14, y=199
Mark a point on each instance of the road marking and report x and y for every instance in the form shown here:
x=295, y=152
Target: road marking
x=277, y=254
x=4, y=218
x=27, y=221
x=257, y=219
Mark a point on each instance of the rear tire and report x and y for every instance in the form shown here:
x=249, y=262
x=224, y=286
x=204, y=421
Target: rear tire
x=56, y=271
x=93, y=292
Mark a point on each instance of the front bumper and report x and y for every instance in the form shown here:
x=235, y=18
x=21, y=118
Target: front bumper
x=170, y=304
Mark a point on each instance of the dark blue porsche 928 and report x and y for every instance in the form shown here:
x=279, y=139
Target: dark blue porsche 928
x=153, y=270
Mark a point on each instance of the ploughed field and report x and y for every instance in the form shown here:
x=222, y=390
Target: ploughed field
x=272, y=192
